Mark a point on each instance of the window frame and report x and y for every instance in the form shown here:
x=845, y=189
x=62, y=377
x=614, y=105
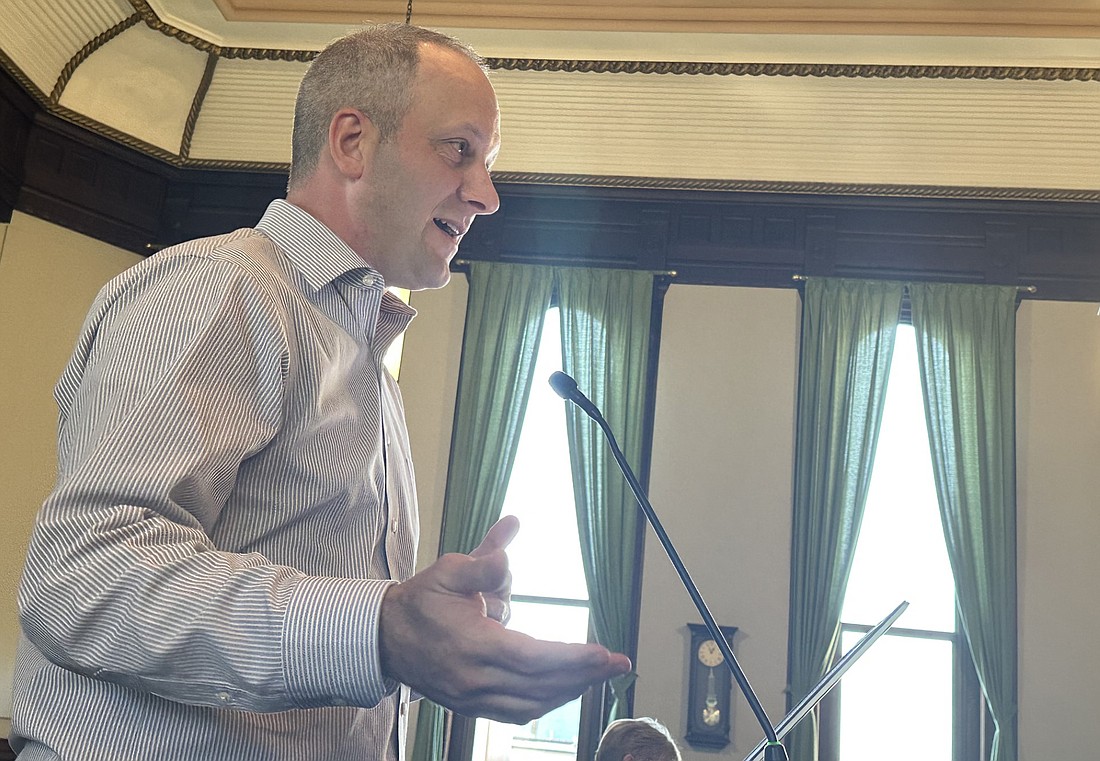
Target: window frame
x=970, y=741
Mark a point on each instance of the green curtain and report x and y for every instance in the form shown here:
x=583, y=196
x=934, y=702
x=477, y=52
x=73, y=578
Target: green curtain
x=504, y=316
x=848, y=329
x=606, y=318
x=966, y=350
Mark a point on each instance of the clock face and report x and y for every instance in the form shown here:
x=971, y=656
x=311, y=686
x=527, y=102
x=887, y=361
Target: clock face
x=709, y=654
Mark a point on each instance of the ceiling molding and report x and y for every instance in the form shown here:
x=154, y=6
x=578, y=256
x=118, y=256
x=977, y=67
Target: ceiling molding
x=1035, y=73
x=645, y=67
x=799, y=188
x=851, y=71
x=1064, y=18
x=196, y=106
x=153, y=21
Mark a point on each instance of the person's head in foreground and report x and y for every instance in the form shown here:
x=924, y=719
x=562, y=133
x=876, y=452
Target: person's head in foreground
x=640, y=739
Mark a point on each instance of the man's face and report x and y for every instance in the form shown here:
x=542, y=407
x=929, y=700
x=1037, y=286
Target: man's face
x=428, y=183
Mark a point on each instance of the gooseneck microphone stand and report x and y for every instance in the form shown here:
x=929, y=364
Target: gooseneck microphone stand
x=565, y=387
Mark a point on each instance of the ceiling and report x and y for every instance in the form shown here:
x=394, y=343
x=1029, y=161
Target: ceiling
x=970, y=97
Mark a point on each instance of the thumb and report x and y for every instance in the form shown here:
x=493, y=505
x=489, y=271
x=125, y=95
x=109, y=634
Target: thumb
x=498, y=537
x=486, y=571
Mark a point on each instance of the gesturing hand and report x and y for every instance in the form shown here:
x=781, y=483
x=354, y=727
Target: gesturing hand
x=498, y=602
x=440, y=633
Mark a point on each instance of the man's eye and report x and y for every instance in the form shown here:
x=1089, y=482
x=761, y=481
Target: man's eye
x=462, y=146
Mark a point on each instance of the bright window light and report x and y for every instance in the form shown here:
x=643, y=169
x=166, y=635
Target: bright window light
x=545, y=560
x=898, y=699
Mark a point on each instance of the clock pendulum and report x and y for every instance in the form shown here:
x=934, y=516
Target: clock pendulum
x=710, y=656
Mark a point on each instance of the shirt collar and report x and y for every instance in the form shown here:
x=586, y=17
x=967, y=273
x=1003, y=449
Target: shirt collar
x=322, y=258
x=315, y=250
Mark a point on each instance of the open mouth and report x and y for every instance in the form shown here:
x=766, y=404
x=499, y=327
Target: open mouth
x=446, y=227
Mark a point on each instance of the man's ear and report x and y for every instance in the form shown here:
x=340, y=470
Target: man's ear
x=352, y=138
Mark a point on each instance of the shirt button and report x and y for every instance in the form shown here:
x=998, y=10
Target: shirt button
x=368, y=280
x=223, y=698
x=393, y=525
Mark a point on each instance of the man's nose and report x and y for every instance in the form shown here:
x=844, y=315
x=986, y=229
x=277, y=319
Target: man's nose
x=479, y=191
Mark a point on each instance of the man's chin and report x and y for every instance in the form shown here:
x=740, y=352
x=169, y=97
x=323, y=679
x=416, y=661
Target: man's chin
x=427, y=281
x=438, y=283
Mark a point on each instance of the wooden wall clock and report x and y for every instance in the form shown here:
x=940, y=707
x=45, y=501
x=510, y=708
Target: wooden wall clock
x=709, y=683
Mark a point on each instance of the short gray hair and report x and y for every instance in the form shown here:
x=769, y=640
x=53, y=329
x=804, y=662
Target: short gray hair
x=644, y=738
x=371, y=70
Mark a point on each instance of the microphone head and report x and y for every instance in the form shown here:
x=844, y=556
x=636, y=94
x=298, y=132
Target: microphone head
x=563, y=385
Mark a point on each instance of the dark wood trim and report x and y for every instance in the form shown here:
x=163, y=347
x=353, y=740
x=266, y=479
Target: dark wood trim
x=75, y=177
x=761, y=239
x=6, y=753
x=17, y=110
x=81, y=181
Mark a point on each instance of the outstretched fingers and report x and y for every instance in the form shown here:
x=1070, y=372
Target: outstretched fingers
x=520, y=678
x=435, y=636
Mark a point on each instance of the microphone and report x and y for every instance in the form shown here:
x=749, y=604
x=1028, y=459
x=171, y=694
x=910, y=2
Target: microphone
x=565, y=387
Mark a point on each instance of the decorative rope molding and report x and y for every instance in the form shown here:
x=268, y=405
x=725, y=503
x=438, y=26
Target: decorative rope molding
x=799, y=188
x=268, y=167
x=836, y=70
x=29, y=87
x=90, y=47
x=196, y=105
x=111, y=133
x=152, y=20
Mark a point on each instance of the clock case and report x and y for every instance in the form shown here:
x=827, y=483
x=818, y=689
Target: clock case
x=699, y=733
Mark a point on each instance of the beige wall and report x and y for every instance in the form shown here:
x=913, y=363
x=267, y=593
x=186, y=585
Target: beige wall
x=429, y=384
x=1058, y=467
x=721, y=485
x=48, y=278
x=720, y=475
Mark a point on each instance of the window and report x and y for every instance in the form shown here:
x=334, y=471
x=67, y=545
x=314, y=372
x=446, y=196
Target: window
x=549, y=594
x=912, y=695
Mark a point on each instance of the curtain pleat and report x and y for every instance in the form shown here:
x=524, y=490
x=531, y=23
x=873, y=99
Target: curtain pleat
x=966, y=351
x=848, y=329
x=606, y=317
x=605, y=335
x=504, y=316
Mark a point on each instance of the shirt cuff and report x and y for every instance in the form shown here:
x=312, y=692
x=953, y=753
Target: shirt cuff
x=330, y=643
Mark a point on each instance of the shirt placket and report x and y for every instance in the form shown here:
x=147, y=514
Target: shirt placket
x=362, y=291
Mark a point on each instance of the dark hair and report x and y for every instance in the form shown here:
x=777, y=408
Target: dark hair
x=371, y=70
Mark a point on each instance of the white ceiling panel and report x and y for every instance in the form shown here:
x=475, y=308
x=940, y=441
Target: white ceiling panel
x=802, y=129
x=139, y=85
x=41, y=36
x=248, y=111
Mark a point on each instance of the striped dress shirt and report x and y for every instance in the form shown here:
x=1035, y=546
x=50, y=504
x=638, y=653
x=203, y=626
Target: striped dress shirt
x=234, y=497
